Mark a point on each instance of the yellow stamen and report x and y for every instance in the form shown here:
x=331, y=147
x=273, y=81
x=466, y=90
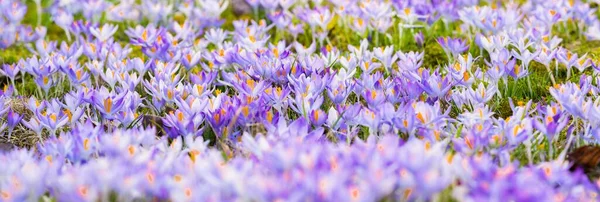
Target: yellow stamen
x=131, y=150
x=269, y=116
x=469, y=143
x=245, y=111
x=86, y=144
x=407, y=193
x=49, y=159
x=170, y=94
x=450, y=157
x=180, y=116
x=177, y=178
x=193, y=154
x=108, y=105
x=420, y=117
x=78, y=74
x=217, y=117
x=68, y=113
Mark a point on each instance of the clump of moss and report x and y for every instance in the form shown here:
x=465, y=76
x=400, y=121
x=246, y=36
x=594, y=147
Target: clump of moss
x=592, y=48
x=19, y=105
x=21, y=138
x=13, y=54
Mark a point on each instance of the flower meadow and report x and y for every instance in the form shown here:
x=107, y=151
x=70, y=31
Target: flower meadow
x=284, y=100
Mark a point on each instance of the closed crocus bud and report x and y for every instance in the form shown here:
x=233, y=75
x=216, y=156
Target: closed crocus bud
x=12, y=119
x=419, y=39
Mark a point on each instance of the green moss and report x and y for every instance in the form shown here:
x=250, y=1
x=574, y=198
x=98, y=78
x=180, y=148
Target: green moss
x=13, y=54
x=27, y=87
x=434, y=55
x=592, y=48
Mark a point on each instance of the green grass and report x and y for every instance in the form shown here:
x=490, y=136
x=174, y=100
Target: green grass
x=13, y=54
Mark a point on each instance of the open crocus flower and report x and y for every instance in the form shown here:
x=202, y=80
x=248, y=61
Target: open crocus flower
x=410, y=61
x=582, y=63
x=453, y=46
x=386, y=56
x=410, y=17
x=77, y=75
x=10, y=71
x=374, y=97
x=551, y=122
x=52, y=120
x=571, y=97
x=517, y=71
x=183, y=122
x=474, y=138
x=435, y=85
x=105, y=32
x=108, y=103
x=482, y=94
x=493, y=42
x=525, y=56
x=429, y=116
x=461, y=70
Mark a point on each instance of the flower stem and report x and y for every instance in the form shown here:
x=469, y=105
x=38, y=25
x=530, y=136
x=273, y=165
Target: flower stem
x=12, y=81
x=38, y=4
x=551, y=75
x=68, y=35
x=529, y=85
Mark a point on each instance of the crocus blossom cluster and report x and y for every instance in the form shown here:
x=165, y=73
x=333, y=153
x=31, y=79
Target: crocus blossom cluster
x=170, y=100
x=89, y=164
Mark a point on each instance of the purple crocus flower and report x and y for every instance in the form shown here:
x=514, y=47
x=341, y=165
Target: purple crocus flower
x=410, y=62
x=386, y=56
x=182, y=122
x=482, y=94
x=45, y=82
x=318, y=117
x=34, y=125
x=108, y=103
x=552, y=123
x=374, y=97
x=435, y=85
x=12, y=119
x=190, y=59
x=14, y=12
x=419, y=39
x=453, y=46
x=52, y=120
x=405, y=120
x=10, y=71
x=77, y=75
